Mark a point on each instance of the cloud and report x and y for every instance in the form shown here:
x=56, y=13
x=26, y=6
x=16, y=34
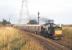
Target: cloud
x=59, y=10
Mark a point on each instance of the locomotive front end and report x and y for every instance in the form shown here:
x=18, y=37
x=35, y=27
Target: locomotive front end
x=58, y=33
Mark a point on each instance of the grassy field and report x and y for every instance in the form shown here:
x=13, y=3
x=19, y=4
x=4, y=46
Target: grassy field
x=67, y=37
x=14, y=39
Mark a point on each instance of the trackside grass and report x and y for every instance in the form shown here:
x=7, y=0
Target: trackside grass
x=67, y=37
x=14, y=39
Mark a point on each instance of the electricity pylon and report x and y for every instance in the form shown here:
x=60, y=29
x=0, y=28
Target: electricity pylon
x=24, y=12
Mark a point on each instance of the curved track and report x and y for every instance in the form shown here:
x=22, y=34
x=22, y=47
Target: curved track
x=47, y=43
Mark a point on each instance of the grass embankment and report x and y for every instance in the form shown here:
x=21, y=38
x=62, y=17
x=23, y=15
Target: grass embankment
x=67, y=37
x=14, y=39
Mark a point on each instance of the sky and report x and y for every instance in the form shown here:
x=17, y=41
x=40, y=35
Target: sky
x=58, y=10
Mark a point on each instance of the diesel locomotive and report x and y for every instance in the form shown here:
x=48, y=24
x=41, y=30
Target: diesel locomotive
x=47, y=30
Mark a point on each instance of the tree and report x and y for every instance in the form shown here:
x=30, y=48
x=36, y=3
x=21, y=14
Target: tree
x=4, y=22
x=32, y=22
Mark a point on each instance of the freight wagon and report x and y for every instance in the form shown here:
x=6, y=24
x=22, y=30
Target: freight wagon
x=32, y=28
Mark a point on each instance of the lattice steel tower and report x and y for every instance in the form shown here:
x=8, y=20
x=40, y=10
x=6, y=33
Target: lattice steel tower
x=24, y=12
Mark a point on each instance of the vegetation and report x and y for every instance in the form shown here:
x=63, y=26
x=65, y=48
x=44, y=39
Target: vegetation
x=67, y=37
x=4, y=22
x=14, y=39
x=32, y=22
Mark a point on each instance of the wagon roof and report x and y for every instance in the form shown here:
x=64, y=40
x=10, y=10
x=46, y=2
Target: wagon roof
x=32, y=25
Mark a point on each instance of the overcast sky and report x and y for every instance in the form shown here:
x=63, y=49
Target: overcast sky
x=59, y=10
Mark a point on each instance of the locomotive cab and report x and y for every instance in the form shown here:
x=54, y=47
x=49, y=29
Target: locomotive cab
x=55, y=31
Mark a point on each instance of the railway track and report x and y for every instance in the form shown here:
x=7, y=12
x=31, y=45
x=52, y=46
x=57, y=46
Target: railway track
x=48, y=44
x=64, y=43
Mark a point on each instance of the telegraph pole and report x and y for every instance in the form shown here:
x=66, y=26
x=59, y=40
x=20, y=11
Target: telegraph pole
x=38, y=16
